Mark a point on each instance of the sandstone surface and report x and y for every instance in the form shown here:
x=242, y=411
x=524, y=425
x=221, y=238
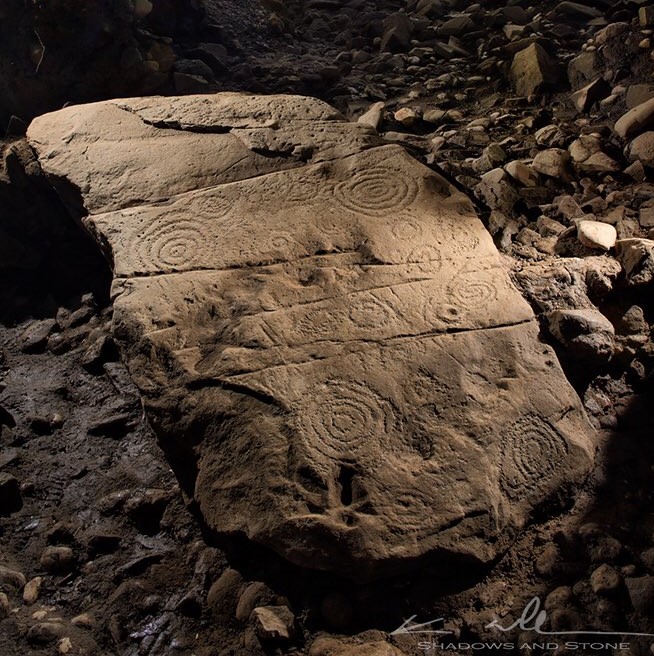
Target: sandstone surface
x=325, y=338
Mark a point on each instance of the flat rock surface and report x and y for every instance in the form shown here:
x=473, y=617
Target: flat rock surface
x=320, y=327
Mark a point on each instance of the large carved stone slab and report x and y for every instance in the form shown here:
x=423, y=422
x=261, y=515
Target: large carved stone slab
x=326, y=340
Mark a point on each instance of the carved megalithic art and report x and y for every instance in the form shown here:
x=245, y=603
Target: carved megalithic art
x=325, y=338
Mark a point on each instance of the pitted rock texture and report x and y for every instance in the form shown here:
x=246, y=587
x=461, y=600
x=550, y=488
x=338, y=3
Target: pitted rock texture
x=324, y=335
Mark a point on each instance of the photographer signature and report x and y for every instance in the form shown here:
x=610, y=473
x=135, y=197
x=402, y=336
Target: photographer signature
x=532, y=619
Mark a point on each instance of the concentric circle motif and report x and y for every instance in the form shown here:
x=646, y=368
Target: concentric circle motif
x=472, y=291
x=407, y=229
x=343, y=417
x=532, y=451
x=279, y=245
x=371, y=312
x=172, y=244
x=376, y=191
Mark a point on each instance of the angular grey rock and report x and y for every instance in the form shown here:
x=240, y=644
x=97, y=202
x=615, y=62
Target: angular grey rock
x=583, y=69
x=552, y=162
x=533, y=70
x=325, y=333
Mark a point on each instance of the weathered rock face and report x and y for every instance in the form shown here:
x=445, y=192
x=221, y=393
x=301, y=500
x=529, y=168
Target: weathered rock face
x=325, y=338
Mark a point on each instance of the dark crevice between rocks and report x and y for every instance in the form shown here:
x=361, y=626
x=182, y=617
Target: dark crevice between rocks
x=46, y=261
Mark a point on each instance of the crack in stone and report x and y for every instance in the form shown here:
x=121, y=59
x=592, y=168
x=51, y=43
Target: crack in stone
x=387, y=342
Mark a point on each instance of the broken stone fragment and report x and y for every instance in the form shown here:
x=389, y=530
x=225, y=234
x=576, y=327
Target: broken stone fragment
x=533, y=70
x=583, y=69
x=646, y=16
x=273, y=623
x=586, y=334
x=522, y=173
x=57, y=559
x=637, y=259
x=553, y=163
x=595, y=234
x=642, y=149
x=599, y=163
x=583, y=147
x=373, y=116
x=592, y=93
x=406, y=116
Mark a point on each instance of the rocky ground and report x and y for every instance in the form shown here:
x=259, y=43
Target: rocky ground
x=523, y=108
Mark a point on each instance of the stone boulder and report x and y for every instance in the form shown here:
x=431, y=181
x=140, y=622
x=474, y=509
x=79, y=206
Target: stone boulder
x=327, y=342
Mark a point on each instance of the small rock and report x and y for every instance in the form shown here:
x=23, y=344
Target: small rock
x=552, y=162
x=533, y=70
x=605, y=580
x=44, y=633
x=637, y=259
x=636, y=171
x=434, y=116
x=142, y=8
x=406, y=116
x=35, y=337
x=374, y=116
x=595, y=234
x=65, y=646
x=646, y=216
x=549, y=227
x=97, y=353
x=587, y=334
x=646, y=16
x=84, y=620
x=32, y=590
x=636, y=120
x=11, y=578
x=522, y=173
x=600, y=163
x=558, y=598
x=222, y=595
x=57, y=560
x=253, y=595
x=592, y=93
x=642, y=149
x=583, y=147
x=496, y=192
x=11, y=500
x=115, y=426
x=550, y=136
x=273, y=622
x=548, y=561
